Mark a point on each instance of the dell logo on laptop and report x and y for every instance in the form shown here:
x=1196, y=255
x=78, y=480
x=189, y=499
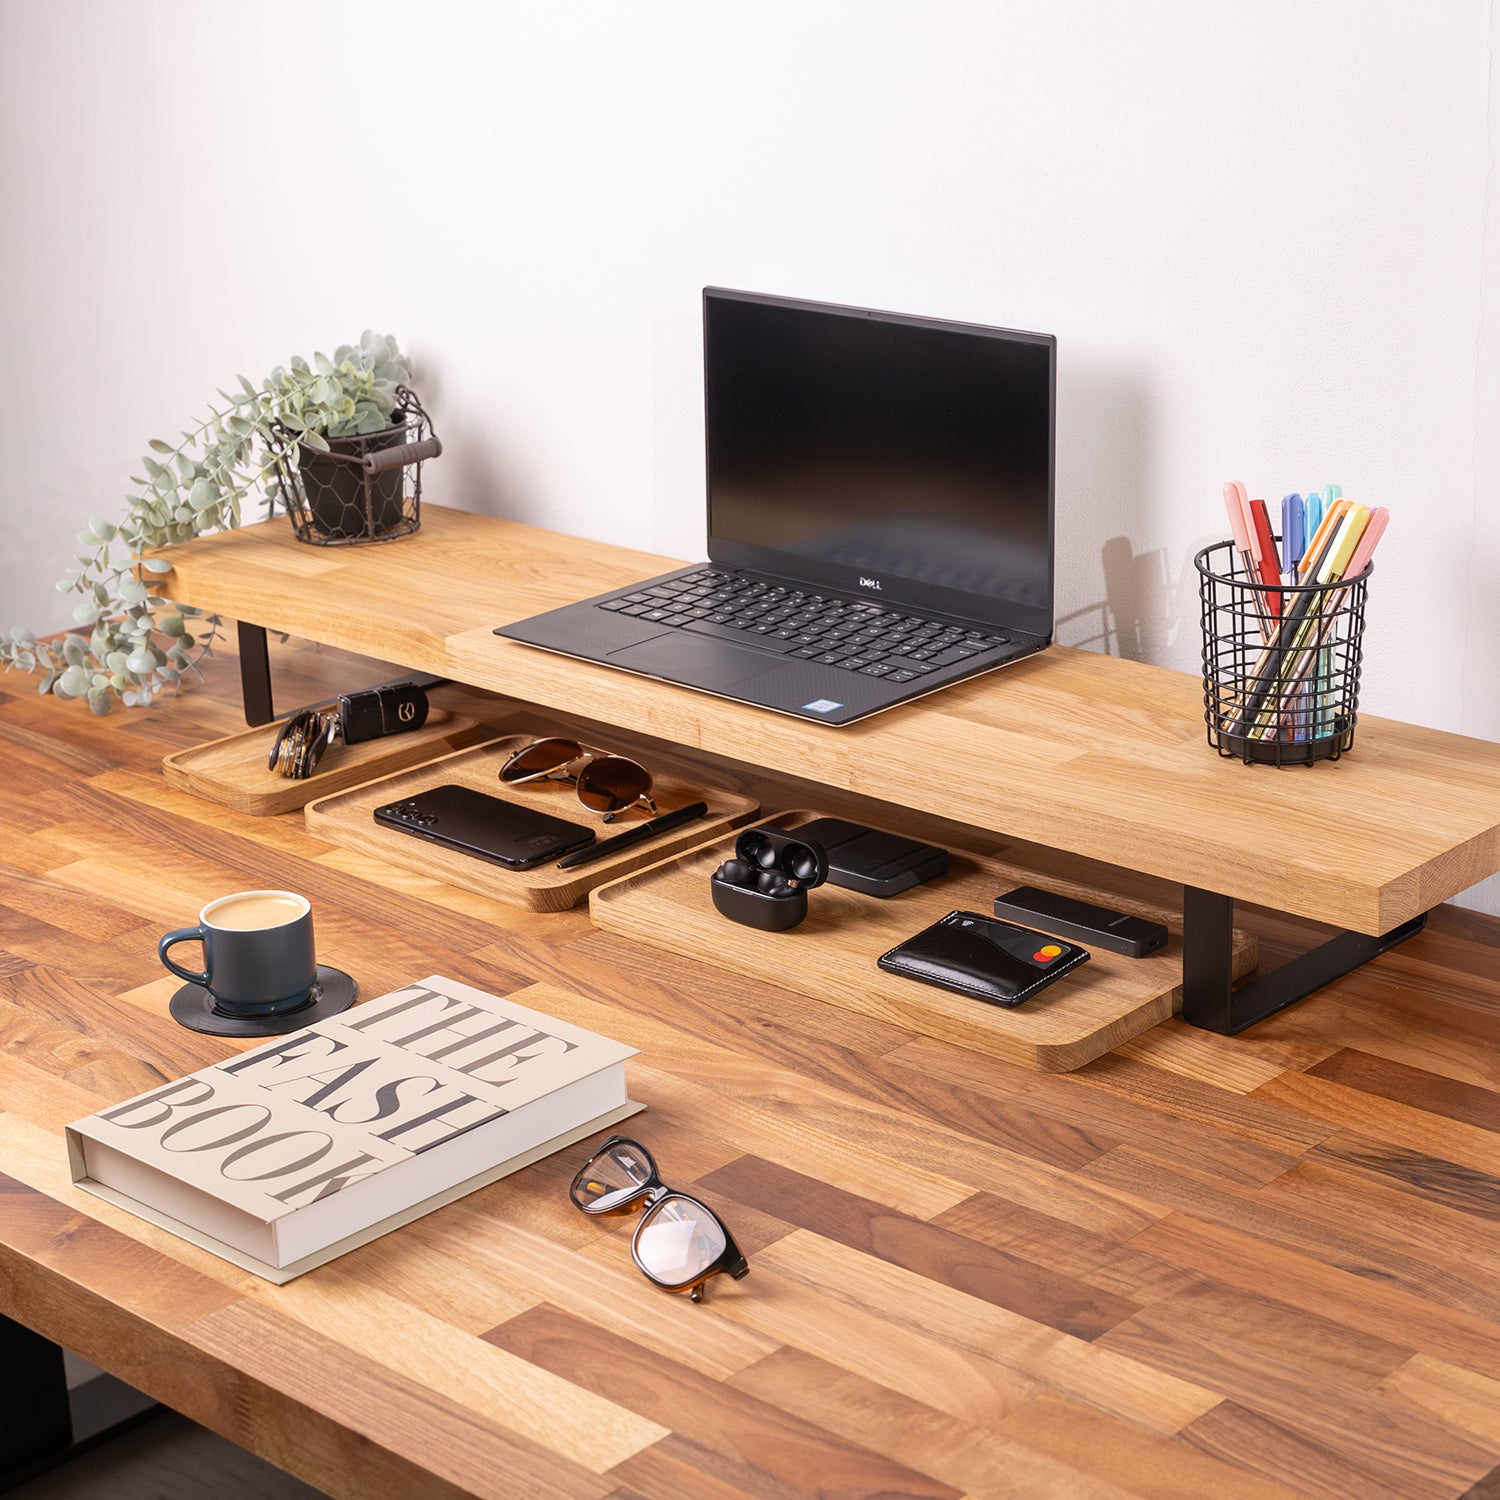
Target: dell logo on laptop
x=869, y=583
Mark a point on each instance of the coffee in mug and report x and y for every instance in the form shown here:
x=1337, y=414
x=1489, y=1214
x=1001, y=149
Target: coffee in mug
x=258, y=953
x=255, y=909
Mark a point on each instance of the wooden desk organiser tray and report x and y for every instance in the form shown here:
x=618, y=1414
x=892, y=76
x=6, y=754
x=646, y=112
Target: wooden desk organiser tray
x=831, y=956
x=348, y=819
x=233, y=770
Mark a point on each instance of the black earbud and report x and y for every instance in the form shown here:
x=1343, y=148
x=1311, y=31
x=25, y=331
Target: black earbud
x=736, y=872
x=758, y=849
x=773, y=883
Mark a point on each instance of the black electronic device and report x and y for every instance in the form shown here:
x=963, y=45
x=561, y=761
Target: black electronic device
x=765, y=885
x=880, y=514
x=975, y=955
x=473, y=822
x=1117, y=931
x=872, y=861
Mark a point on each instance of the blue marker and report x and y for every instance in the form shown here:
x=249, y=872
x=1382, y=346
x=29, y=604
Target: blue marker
x=1293, y=534
x=1314, y=517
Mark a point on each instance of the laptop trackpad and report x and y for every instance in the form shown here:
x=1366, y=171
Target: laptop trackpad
x=699, y=660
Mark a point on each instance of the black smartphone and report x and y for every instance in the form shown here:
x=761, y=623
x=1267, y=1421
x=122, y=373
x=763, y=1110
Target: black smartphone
x=473, y=822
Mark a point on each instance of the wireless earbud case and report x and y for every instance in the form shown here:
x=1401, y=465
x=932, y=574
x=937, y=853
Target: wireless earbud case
x=801, y=863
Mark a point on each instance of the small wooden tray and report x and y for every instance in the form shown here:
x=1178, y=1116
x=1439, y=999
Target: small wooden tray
x=233, y=771
x=348, y=819
x=831, y=956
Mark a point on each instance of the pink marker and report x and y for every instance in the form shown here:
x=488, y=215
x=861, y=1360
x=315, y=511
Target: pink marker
x=1242, y=527
x=1238, y=505
x=1374, y=530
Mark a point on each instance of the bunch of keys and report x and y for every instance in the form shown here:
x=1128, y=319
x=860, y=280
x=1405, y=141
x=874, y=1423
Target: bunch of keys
x=301, y=742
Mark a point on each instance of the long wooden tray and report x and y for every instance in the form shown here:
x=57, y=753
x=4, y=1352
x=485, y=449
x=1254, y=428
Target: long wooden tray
x=831, y=956
x=233, y=771
x=348, y=819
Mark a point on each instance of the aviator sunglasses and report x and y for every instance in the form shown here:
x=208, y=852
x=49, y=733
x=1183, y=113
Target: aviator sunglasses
x=605, y=783
x=679, y=1242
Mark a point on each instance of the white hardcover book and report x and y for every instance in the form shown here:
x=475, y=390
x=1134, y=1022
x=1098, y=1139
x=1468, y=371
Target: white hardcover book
x=286, y=1155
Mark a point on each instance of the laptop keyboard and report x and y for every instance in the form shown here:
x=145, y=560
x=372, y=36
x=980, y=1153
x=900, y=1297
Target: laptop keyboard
x=843, y=633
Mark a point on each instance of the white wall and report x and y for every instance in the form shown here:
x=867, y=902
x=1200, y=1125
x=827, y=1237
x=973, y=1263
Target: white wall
x=1257, y=231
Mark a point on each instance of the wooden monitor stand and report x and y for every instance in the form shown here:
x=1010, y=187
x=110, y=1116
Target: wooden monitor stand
x=1090, y=754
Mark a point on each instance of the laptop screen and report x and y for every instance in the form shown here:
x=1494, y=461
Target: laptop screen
x=901, y=458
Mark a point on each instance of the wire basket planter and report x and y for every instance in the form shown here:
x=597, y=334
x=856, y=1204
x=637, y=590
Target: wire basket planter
x=360, y=490
x=1281, y=663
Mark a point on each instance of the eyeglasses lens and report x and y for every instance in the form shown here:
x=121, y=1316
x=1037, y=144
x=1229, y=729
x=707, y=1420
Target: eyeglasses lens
x=540, y=758
x=613, y=1178
x=612, y=783
x=677, y=1241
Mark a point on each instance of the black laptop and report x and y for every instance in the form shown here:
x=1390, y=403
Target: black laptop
x=880, y=515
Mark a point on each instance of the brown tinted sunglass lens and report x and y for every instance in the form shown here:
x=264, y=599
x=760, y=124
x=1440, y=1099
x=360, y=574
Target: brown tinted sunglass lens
x=540, y=758
x=612, y=783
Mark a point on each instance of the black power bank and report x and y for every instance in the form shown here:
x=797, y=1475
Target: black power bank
x=865, y=859
x=1116, y=931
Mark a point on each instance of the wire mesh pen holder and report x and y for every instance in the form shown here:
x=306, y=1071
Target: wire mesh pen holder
x=360, y=490
x=1280, y=664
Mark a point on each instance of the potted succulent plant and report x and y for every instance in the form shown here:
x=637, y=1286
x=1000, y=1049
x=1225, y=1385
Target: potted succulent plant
x=319, y=437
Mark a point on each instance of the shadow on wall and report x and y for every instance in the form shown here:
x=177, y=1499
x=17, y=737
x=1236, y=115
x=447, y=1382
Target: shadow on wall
x=1146, y=614
x=1108, y=471
x=468, y=475
x=473, y=479
x=1135, y=611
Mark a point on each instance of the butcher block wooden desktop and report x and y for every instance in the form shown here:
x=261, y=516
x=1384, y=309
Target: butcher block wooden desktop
x=1070, y=750
x=1260, y=1267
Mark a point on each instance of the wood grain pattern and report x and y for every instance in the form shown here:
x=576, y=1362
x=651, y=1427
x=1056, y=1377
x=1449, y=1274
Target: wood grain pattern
x=1414, y=1087
x=1069, y=749
x=1197, y=1268
x=831, y=955
x=931, y=1250
x=740, y=1439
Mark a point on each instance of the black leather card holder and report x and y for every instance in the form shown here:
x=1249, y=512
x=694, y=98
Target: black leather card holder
x=997, y=962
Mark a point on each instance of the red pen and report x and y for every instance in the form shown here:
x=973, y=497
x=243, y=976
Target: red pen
x=1265, y=552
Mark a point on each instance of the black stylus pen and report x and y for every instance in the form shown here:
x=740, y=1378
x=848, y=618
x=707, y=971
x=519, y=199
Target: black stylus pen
x=634, y=835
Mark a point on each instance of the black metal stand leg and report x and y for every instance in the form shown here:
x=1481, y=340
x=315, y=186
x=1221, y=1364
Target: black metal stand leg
x=255, y=674
x=1209, y=998
x=41, y=1423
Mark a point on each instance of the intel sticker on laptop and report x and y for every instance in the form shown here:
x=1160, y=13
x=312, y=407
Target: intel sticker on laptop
x=821, y=706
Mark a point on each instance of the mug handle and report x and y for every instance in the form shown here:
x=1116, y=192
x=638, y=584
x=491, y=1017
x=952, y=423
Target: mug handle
x=182, y=935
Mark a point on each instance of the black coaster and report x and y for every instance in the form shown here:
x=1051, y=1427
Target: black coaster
x=333, y=991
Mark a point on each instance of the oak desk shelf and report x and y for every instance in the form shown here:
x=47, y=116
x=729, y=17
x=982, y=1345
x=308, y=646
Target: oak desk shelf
x=1093, y=754
x=1090, y=754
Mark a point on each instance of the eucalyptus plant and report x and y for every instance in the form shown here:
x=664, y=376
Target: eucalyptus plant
x=140, y=643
